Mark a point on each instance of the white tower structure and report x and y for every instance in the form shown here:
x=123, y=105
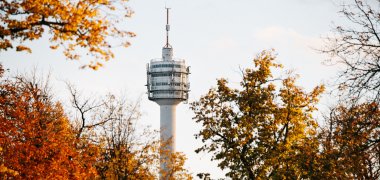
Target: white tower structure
x=168, y=85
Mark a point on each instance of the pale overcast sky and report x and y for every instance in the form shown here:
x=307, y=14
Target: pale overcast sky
x=216, y=37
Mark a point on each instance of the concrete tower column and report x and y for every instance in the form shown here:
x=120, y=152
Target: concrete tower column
x=168, y=125
x=167, y=130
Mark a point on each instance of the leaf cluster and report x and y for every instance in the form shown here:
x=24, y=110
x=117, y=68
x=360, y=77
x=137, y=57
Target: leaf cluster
x=92, y=26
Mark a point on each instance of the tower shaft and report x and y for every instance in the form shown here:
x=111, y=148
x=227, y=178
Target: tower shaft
x=168, y=125
x=167, y=137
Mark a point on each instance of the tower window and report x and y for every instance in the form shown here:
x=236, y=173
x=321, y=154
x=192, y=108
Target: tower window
x=166, y=66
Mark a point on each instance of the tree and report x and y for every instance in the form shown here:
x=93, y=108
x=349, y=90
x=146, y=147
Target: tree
x=357, y=47
x=350, y=139
x=35, y=135
x=259, y=131
x=90, y=113
x=90, y=25
x=351, y=142
x=128, y=150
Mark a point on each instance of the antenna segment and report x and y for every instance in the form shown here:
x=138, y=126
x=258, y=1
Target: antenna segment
x=167, y=50
x=167, y=28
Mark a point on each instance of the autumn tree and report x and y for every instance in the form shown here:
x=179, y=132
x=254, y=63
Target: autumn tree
x=90, y=25
x=260, y=131
x=350, y=138
x=129, y=150
x=35, y=135
x=357, y=47
x=351, y=142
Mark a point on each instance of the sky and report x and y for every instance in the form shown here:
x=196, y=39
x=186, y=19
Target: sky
x=217, y=38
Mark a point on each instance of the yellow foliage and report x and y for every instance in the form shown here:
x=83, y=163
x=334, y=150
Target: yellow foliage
x=259, y=131
x=172, y=164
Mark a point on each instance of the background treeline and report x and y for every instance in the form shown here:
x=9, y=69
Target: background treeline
x=101, y=140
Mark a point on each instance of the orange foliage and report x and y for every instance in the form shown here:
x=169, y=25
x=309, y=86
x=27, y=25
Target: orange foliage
x=88, y=25
x=36, y=137
x=37, y=140
x=351, y=142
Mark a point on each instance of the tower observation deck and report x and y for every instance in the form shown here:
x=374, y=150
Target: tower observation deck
x=168, y=85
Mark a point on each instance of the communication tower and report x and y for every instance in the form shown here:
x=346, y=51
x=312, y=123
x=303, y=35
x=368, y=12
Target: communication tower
x=168, y=85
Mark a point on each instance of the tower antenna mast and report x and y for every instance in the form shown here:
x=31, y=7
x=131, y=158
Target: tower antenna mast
x=167, y=28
